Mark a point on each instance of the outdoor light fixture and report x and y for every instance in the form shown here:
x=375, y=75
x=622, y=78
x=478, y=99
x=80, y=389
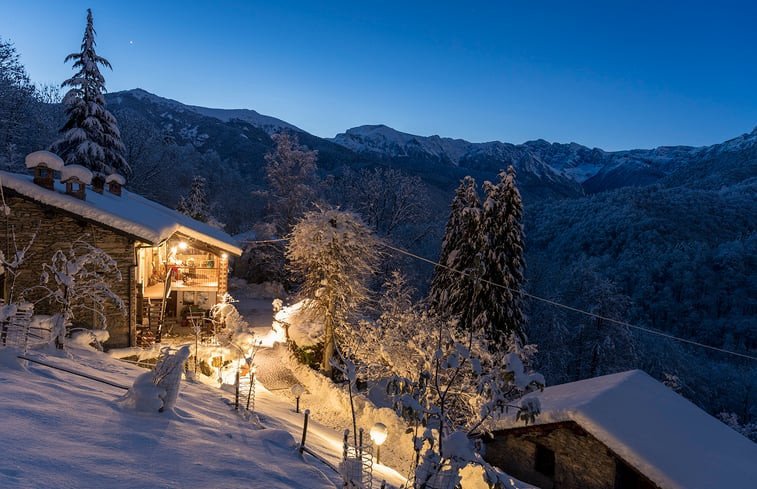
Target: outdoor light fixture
x=297, y=391
x=182, y=245
x=378, y=435
x=224, y=255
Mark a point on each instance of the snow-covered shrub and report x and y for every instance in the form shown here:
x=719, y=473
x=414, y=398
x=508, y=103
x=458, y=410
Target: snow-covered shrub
x=75, y=279
x=167, y=375
x=89, y=338
x=144, y=395
x=446, y=383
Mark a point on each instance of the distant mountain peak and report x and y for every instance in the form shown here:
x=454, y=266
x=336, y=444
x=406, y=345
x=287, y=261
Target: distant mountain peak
x=269, y=124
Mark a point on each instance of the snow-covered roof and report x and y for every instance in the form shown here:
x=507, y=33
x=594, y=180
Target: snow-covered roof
x=115, y=177
x=84, y=175
x=130, y=213
x=661, y=434
x=51, y=160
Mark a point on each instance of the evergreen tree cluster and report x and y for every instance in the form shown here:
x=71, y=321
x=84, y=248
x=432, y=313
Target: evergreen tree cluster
x=480, y=274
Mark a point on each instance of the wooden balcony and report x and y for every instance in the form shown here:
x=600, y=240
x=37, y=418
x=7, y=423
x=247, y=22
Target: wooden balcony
x=194, y=277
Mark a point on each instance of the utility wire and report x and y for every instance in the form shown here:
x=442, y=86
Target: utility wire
x=551, y=302
x=570, y=308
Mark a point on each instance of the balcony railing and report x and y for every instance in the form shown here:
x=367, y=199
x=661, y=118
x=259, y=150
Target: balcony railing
x=195, y=276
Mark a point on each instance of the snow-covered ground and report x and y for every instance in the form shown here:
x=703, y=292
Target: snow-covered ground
x=61, y=430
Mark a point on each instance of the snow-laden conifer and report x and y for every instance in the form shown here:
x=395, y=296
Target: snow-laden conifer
x=90, y=136
x=454, y=286
x=503, y=235
x=195, y=205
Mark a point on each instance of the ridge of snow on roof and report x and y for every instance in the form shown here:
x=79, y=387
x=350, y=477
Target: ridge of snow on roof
x=83, y=174
x=664, y=436
x=129, y=213
x=115, y=177
x=51, y=160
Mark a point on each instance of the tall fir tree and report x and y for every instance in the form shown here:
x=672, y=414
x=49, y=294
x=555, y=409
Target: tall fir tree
x=90, y=136
x=480, y=275
x=195, y=205
x=503, y=233
x=454, y=286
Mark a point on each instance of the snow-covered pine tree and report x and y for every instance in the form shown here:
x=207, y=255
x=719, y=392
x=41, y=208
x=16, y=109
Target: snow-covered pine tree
x=90, y=136
x=455, y=285
x=503, y=232
x=195, y=205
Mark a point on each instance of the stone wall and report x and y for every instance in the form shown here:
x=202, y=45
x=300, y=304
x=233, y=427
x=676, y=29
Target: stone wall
x=581, y=461
x=56, y=230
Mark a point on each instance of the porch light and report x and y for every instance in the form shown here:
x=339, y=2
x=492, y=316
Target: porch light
x=182, y=245
x=378, y=435
x=224, y=255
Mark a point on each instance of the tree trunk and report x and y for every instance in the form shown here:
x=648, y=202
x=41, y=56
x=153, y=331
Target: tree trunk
x=328, y=342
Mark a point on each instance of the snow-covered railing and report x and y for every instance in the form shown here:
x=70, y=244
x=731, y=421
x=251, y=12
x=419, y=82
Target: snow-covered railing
x=16, y=326
x=195, y=276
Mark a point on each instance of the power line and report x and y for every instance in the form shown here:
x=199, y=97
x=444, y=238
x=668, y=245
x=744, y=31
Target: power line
x=550, y=302
x=573, y=309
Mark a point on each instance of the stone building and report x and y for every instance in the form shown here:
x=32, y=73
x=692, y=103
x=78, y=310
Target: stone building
x=622, y=431
x=167, y=261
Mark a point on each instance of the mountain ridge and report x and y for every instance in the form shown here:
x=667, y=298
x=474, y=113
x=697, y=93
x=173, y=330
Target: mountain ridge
x=547, y=169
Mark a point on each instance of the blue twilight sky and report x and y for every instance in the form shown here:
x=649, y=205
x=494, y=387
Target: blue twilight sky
x=611, y=74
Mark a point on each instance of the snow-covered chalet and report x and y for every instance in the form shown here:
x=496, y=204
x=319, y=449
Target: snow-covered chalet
x=167, y=260
x=622, y=431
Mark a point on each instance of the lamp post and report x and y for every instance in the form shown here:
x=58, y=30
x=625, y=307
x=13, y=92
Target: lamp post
x=378, y=435
x=297, y=391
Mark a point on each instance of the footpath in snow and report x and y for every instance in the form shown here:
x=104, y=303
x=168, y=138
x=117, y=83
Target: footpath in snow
x=65, y=431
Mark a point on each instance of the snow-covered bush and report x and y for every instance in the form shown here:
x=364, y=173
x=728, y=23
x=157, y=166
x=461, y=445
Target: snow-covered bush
x=167, y=375
x=75, y=279
x=444, y=382
x=157, y=390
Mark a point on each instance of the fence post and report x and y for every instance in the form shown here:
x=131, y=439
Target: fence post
x=304, y=431
x=236, y=392
x=345, y=445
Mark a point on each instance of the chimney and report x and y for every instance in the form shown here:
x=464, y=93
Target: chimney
x=44, y=164
x=76, y=179
x=98, y=183
x=115, y=183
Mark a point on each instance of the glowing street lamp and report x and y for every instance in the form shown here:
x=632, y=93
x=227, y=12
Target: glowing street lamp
x=297, y=391
x=378, y=435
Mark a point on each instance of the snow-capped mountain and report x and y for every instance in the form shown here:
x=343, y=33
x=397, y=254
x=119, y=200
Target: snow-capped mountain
x=390, y=142
x=241, y=137
x=270, y=125
x=594, y=169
